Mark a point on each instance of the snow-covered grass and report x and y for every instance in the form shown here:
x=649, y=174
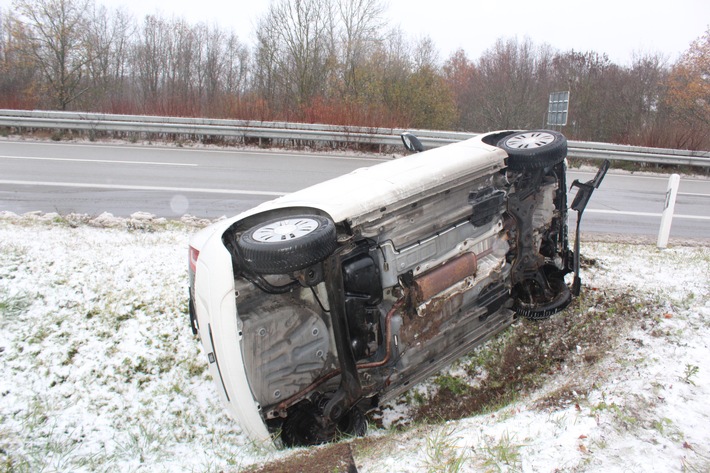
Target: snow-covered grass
x=99, y=370
x=99, y=367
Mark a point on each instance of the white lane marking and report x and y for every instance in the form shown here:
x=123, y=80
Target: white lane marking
x=232, y=152
x=107, y=161
x=142, y=188
x=644, y=214
x=332, y=158
x=612, y=175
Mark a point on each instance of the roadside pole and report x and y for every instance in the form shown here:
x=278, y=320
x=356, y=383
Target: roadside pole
x=669, y=207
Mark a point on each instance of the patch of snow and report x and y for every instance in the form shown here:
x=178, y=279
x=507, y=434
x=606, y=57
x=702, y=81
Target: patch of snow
x=99, y=369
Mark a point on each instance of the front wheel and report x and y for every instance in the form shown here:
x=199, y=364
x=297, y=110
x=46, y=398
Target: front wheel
x=287, y=244
x=537, y=303
x=535, y=149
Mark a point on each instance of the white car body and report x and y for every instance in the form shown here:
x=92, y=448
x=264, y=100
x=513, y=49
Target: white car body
x=420, y=241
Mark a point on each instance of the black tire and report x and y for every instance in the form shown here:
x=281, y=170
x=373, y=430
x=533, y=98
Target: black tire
x=302, y=428
x=529, y=150
x=545, y=309
x=287, y=244
x=353, y=424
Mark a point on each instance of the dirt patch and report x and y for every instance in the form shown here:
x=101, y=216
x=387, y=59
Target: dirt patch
x=336, y=458
x=521, y=360
x=331, y=458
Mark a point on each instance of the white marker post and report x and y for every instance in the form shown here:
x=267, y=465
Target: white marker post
x=669, y=207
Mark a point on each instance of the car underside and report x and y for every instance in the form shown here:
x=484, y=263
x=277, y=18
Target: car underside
x=335, y=315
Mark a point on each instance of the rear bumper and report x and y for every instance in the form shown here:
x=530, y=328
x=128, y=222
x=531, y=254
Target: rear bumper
x=213, y=315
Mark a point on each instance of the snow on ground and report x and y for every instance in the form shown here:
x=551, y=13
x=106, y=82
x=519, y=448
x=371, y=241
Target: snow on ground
x=99, y=370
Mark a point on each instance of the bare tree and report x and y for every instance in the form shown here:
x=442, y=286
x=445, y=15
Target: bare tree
x=295, y=49
x=460, y=76
x=638, y=100
x=425, y=54
x=236, y=66
x=3, y=36
x=184, y=51
x=360, y=30
x=220, y=69
x=266, y=69
x=8, y=85
x=509, y=92
x=593, y=81
x=56, y=42
x=149, y=59
x=17, y=76
x=108, y=46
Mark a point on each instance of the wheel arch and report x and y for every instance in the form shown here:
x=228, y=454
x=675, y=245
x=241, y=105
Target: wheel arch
x=284, y=212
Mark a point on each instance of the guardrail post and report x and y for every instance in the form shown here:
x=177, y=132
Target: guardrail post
x=668, y=208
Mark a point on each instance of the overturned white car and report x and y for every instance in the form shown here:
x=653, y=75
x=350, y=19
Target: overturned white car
x=318, y=306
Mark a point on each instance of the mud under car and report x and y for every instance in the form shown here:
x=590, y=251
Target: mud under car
x=317, y=307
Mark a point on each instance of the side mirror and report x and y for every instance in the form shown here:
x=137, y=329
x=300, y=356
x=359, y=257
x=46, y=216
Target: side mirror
x=411, y=142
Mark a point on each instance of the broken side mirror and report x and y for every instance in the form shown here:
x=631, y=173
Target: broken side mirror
x=411, y=142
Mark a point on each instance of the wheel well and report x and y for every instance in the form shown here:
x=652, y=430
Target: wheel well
x=494, y=138
x=252, y=220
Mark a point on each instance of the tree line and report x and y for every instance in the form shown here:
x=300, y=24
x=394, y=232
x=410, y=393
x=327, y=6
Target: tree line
x=339, y=62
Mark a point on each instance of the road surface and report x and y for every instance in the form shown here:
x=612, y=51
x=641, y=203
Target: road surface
x=171, y=181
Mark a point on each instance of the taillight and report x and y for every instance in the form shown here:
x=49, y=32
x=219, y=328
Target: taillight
x=192, y=259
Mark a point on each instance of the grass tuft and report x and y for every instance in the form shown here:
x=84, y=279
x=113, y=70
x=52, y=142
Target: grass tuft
x=442, y=454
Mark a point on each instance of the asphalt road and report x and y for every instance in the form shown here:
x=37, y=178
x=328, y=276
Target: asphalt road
x=169, y=182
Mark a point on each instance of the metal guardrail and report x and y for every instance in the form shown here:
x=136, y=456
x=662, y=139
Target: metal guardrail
x=286, y=131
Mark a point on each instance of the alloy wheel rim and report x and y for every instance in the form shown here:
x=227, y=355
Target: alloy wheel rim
x=530, y=140
x=283, y=230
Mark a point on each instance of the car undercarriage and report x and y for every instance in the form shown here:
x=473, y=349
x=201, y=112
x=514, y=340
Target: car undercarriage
x=337, y=316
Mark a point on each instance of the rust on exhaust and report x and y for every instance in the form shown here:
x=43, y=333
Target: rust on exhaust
x=439, y=279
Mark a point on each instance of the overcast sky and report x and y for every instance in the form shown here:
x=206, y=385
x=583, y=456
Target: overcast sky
x=619, y=28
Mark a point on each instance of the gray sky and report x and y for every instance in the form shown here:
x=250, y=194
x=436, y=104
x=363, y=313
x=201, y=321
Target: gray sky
x=619, y=28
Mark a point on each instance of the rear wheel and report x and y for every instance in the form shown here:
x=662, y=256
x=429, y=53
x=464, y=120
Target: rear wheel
x=306, y=426
x=302, y=428
x=534, y=149
x=353, y=424
x=287, y=244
